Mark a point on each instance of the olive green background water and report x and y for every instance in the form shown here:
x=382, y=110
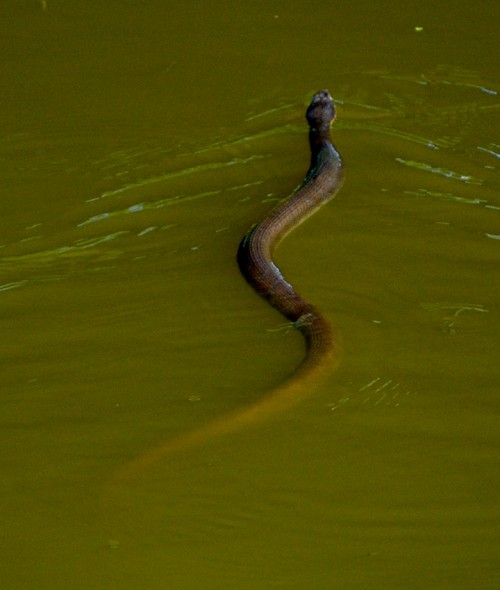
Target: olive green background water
x=139, y=141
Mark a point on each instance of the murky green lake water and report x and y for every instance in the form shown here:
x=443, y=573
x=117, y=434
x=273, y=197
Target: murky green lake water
x=139, y=142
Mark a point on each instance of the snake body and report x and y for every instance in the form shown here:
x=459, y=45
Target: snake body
x=255, y=254
x=255, y=259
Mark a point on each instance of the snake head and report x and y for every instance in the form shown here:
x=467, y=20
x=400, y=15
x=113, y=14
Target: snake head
x=321, y=111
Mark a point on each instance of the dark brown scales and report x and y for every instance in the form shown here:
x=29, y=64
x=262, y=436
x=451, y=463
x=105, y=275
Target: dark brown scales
x=255, y=254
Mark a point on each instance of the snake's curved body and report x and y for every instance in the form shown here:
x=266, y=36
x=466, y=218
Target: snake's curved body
x=255, y=259
x=255, y=254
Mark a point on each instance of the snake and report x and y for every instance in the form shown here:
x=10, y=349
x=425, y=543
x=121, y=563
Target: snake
x=255, y=260
x=255, y=253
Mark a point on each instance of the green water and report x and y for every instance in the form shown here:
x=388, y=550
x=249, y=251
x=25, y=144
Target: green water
x=139, y=142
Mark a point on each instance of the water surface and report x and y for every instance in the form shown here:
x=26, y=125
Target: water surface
x=139, y=142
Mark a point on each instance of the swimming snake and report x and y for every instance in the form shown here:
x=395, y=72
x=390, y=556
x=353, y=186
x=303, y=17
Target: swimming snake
x=255, y=260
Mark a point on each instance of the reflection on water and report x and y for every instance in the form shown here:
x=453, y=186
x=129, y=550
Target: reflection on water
x=132, y=167
x=448, y=314
x=377, y=392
